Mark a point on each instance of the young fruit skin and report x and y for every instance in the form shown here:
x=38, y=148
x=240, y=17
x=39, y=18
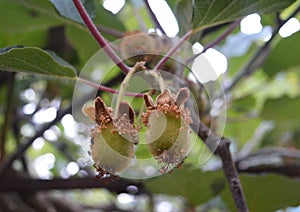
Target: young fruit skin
x=168, y=131
x=111, y=151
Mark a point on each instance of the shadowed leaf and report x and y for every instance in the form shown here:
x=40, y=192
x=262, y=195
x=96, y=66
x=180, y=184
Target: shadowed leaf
x=193, y=184
x=278, y=60
x=36, y=61
x=282, y=109
x=213, y=12
x=267, y=193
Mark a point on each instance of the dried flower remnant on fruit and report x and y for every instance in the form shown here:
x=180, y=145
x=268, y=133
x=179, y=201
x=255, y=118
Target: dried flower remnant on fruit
x=113, y=140
x=168, y=131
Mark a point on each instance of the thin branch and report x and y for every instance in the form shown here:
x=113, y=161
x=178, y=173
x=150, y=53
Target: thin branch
x=98, y=36
x=108, y=89
x=153, y=16
x=31, y=185
x=232, y=176
x=138, y=66
x=288, y=166
x=228, y=165
x=112, y=82
x=166, y=57
x=9, y=102
x=290, y=170
x=210, y=30
x=216, y=41
x=110, y=31
x=259, y=57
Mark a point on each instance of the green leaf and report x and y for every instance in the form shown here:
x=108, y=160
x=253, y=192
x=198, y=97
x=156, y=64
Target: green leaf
x=212, y=12
x=194, y=185
x=27, y=16
x=245, y=104
x=130, y=21
x=241, y=131
x=267, y=193
x=27, y=22
x=80, y=39
x=106, y=18
x=183, y=11
x=279, y=60
x=237, y=62
x=36, y=61
x=67, y=9
x=172, y=3
x=282, y=109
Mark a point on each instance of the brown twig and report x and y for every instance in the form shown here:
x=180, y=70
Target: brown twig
x=287, y=166
x=228, y=164
x=232, y=176
x=32, y=185
x=286, y=169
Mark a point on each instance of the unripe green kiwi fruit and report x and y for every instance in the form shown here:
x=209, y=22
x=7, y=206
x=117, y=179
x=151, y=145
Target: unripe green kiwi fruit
x=168, y=131
x=113, y=140
x=171, y=133
x=111, y=151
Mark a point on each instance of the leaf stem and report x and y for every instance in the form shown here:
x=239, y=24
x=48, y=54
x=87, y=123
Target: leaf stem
x=166, y=57
x=159, y=79
x=153, y=16
x=107, y=89
x=98, y=37
x=228, y=165
x=216, y=41
x=110, y=31
x=259, y=57
x=137, y=66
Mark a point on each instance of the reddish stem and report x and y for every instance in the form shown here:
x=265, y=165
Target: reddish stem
x=107, y=89
x=98, y=37
x=166, y=57
x=110, y=31
x=217, y=40
x=154, y=18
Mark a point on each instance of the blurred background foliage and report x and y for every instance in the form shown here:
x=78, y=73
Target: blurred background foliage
x=43, y=47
